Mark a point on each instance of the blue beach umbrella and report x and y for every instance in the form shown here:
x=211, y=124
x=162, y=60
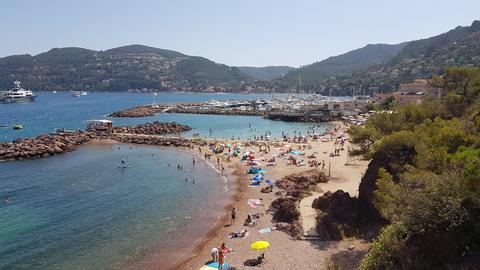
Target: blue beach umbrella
x=257, y=178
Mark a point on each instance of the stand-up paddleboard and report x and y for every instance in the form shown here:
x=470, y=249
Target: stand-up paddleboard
x=124, y=166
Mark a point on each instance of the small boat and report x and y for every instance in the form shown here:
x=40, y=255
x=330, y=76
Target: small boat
x=2, y=125
x=83, y=93
x=54, y=92
x=61, y=131
x=75, y=94
x=17, y=127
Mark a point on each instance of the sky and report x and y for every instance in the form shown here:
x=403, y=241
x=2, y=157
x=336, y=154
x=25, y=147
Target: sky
x=232, y=32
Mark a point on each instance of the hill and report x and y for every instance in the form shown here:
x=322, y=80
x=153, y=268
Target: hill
x=118, y=69
x=313, y=75
x=418, y=59
x=266, y=73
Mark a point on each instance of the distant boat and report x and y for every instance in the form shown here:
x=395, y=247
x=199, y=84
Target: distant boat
x=83, y=93
x=54, y=92
x=61, y=131
x=17, y=127
x=17, y=94
x=155, y=93
x=76, y=94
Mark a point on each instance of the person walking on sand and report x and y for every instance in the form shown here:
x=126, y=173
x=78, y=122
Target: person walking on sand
x=220, y=260
x=233, y=216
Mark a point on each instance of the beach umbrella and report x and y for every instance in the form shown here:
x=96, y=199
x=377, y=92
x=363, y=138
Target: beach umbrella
x=259, y=245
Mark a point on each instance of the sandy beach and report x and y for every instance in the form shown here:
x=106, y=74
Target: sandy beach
x=284, y=252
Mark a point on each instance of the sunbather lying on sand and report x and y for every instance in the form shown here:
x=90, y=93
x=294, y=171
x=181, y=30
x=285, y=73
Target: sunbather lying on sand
x=240, y=234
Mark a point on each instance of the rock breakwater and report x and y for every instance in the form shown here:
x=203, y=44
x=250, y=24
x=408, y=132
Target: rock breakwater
x=48, y=145
x=155, y=128
x=43, y=145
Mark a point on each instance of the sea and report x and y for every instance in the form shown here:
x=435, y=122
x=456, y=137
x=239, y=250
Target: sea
x=81, y=210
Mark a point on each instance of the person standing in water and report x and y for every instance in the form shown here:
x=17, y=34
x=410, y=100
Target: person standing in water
x=123, y=161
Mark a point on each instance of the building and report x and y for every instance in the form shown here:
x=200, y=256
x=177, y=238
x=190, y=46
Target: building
x=411, y=92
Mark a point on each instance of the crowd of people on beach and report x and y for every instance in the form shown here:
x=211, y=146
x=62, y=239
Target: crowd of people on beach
x=292, y=155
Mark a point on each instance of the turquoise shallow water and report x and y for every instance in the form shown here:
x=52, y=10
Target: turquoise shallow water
x=60, y=110
x=80, y=211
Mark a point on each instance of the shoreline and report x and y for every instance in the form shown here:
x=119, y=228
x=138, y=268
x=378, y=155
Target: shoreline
x=195, y=252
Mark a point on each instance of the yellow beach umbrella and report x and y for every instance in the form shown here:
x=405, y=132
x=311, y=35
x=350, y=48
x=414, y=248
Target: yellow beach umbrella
x=259, y=245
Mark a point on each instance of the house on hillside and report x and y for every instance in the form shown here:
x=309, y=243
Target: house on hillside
x=411, y=92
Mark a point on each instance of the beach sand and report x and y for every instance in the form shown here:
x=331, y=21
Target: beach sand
x=284, y=252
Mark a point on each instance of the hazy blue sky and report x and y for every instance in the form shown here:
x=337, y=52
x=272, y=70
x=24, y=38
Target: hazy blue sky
x=244, y=32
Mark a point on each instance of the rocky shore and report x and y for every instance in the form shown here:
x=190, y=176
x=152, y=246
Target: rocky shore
x=155, y=128
x=48, y=145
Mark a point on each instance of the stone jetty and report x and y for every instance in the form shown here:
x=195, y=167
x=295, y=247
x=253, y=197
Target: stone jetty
x=155, y=128
x=43, y=145
x=48, y=145
x=140, y=111
x=190, y=108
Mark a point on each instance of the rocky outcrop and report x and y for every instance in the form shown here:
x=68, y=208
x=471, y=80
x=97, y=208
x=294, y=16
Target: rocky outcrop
x=299, y=185
x=43, y=146
x=294, y=188
x=155, y=128
x=286, y=216
x=344, y=216
x=285, y=210
x=338, y=216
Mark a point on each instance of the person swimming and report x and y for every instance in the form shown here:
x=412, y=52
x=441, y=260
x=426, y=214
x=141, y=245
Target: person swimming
x=123, y=161
x=5, y=199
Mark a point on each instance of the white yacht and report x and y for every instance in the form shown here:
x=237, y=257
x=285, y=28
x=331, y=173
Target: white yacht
x=17, y=94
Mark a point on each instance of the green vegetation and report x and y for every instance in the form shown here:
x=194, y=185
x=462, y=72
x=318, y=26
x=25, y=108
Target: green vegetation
x=431, y=195
x=313, y=76
x=266, y=73
x=119, y=69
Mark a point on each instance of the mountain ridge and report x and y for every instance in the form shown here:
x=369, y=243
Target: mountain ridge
x=265, y=73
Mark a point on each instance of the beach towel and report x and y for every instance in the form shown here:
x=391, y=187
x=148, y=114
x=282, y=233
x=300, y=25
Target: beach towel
x=214, y=266
x=266, y=230
x=254, y=206
x=254, y=203
x=254, y=184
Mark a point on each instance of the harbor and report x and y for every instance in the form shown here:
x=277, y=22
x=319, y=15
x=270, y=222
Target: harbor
x=305, y=108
